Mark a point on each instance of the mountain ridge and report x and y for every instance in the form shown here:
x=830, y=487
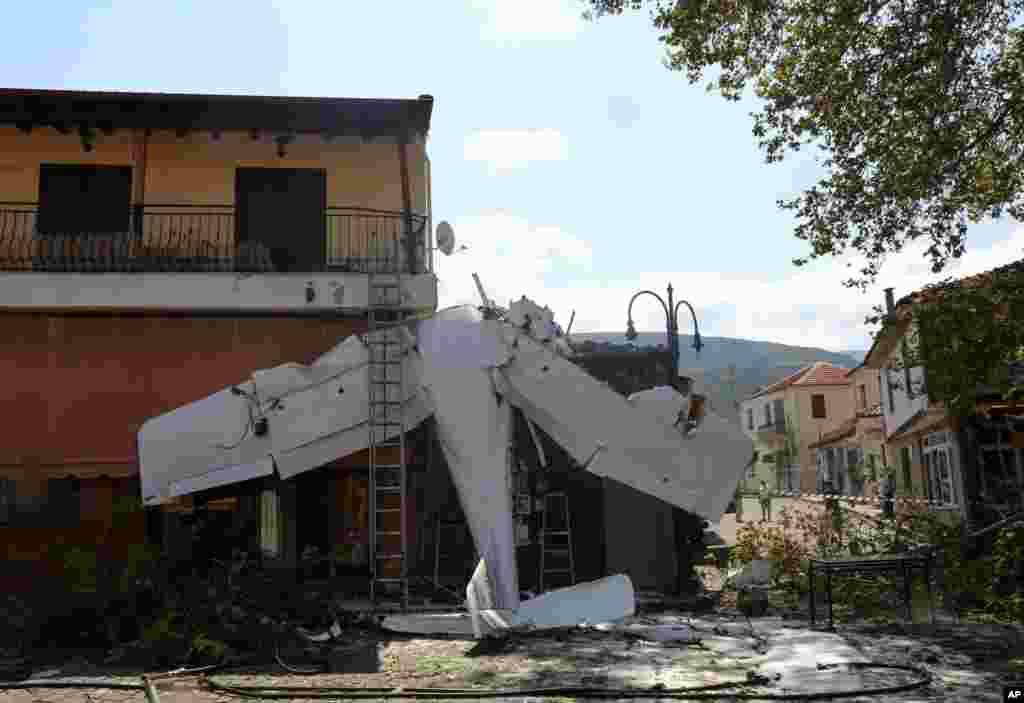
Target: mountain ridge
x=755, y=363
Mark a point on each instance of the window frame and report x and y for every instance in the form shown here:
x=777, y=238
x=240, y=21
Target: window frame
x=814, y=407
x=107, y=188
x=940, y=476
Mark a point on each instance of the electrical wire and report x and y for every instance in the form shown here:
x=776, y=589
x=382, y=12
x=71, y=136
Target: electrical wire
x=711, y=692
x=245, y=430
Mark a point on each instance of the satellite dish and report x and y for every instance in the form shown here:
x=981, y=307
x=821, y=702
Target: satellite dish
x=445, y=238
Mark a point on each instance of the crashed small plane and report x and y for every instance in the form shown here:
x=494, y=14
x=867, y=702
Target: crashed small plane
x=468, y=367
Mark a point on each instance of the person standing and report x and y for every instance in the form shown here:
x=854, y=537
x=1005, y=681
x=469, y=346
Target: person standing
x=888, y=491
x=766, y=502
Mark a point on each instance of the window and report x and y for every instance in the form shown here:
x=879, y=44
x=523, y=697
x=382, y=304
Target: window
x=908, y=484
x=862, y=398
x=750, y=418
x=81, y=199
x=63, y=507
x=57, y=506
x=818, y=406
x=938, y=465
x=270, y=536
x=6, y=501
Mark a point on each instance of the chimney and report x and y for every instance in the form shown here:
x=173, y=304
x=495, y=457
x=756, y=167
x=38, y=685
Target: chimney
x=890, y=303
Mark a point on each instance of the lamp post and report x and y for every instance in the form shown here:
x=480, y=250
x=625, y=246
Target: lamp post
x=689, y=529
x=671, y=309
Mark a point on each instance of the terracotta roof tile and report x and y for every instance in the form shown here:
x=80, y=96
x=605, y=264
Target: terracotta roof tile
x=779, y=385
x=980, y=280
x=823, y=373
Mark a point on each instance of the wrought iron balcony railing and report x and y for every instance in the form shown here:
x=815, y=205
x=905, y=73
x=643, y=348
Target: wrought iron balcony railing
x=175, y=238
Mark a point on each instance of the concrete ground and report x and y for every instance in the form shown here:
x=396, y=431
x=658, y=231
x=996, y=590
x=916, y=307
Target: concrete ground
x=726, y=648
x=728, y=526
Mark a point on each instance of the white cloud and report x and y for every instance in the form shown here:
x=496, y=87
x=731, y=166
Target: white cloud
x=509, y=149
x=512, y=22
x=514, y=257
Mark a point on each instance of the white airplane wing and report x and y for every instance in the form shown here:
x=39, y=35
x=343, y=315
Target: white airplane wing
x=314, y=414
x=612, y=437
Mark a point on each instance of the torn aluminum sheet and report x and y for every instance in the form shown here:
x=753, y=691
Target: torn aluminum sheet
x=603, y=601
x=467, y=369
x=611, y=437
x=606, y=601
x=315, y=414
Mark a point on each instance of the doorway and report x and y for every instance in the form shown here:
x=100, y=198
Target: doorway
x=284, y=210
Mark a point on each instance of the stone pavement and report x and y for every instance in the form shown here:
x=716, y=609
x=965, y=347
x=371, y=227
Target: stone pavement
x=728, y=526
x=728, y=648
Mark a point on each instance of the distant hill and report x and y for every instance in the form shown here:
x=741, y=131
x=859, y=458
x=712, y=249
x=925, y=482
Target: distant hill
x=857, y=354
x=756, y=364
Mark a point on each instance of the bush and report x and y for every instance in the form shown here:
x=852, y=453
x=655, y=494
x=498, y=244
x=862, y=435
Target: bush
x=989, y=587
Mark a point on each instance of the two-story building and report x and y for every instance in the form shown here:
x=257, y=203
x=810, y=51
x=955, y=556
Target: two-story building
x=785, y=418
x=851, y=458
x=155, y=248
x=971, y=467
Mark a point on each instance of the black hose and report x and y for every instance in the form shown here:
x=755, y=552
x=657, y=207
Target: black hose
x=711, y=692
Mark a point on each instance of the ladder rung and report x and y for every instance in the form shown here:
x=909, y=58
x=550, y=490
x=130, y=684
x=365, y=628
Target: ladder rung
x=389, y=510
x=385, y=382
x=556, y=533
x=388, y=489
x=385, y=423
x=389, y=557
x=390, y=579
x=388, y=533
x=387, y=403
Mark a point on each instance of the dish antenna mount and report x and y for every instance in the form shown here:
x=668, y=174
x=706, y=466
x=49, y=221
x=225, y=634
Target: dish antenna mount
x=446, y=239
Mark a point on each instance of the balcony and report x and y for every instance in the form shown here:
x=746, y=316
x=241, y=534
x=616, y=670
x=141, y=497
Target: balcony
x=208, y=239
x=772, y=430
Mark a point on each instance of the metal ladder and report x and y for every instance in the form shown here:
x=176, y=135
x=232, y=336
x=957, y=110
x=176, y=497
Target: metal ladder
x=556, y=541
x=388, y=544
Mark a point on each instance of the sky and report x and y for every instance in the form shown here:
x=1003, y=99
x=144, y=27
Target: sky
x=572, y=164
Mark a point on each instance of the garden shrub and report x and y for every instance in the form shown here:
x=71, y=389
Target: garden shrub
x=989, y=587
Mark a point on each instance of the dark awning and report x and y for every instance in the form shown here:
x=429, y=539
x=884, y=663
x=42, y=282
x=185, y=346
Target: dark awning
x=64, y=109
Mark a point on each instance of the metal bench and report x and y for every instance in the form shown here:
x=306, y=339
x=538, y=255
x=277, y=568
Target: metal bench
x=903, y=564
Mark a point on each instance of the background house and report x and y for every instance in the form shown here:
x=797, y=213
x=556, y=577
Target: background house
x=156, y=248
x=852, y=457
x=796, y=411
x=971, y=467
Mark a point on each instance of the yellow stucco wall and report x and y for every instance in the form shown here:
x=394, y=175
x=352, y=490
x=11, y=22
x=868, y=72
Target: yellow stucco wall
x=869, y=379
x=199, y=170
x=838, y=408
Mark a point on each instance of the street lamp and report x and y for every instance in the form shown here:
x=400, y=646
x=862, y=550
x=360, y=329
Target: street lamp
x=672, y=320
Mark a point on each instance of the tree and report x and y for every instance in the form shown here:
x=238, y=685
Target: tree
x=917, y=107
